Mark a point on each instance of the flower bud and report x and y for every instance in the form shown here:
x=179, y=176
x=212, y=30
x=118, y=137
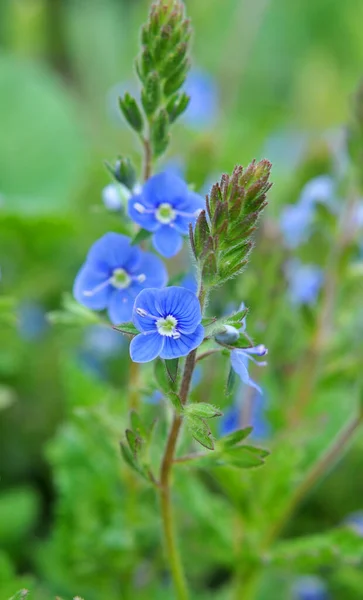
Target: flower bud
x=229, y=336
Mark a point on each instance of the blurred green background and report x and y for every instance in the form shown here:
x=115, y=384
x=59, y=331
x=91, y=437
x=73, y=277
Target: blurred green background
x=284, y=72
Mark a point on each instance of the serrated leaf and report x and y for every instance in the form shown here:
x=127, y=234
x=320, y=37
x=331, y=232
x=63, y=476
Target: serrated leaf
x=202, y=410
x=235, y=437
x=200, y=431
x=172, y=368
x=129, y=459
x=126, y=328
x=141, y=236
x=134, y=441
x=137, y=425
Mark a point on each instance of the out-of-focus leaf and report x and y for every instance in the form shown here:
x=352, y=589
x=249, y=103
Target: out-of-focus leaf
x=43, y=149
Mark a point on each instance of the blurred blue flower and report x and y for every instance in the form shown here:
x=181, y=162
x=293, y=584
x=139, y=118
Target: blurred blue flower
x=295, y=223
x=203, y=106
x=114, y=273
x=103, y=341
x=296, y=219
x=166, y=207
x=355, y=521
x=32, y=322
x=320, y=189
x=169, y=321
x=304, y=282
x=310, y=587
x=239, y=362
x=190, y=283
x=231, y=420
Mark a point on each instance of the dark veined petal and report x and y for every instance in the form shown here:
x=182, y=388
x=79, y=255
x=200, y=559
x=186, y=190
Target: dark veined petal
x=145, y=347
x=174, y=348
x=239, y=364
x=146, y=303
x=154, y=270
x=138, y=211
x=120, y=306
x=167, y=241
x=112, y=251
x=183, y=305
x=91, y=288
x=165, y=187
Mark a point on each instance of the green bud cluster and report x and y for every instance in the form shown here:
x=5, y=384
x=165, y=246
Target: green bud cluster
x=162, y=67
x=124, y=172
x=221, y=241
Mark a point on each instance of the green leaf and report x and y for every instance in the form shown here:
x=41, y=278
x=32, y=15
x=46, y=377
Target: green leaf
x=159, y=133
x=130, y=460
x=126, y=328
x=329, y=550
x=134, y=441
x=231, y=382
x=200, y=431
x=20, y=595
x=131, y=112
x=161, y=375
x=137, y=425
x=140, y=236
x=176, y=106
x=235, y=437
x=243, y=457
x=202, y=410
x=38, y=175
x=172, y=368
x=173, y=396
x=151, y=93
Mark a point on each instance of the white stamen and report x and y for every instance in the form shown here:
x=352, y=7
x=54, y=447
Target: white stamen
x=98, y=288
x=141, y=278
x=139, y=207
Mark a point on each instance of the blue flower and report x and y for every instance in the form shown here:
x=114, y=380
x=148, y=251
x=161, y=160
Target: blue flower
x=239, y=362
x=304, y=282
x=32, y=322
x=189, y=282
x=355, y=521
x=232, y=421
x=169, y=321
x=295, y=223
x=203, y=105
x=166, y=207
x=114, y=273
x=310, y=587
x=297, y=219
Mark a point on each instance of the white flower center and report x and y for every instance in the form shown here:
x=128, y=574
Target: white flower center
x=165, y=213
x=120, y=279
x=167, y=326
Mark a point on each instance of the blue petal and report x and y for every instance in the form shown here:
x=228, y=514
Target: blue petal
x=146, y=220
x=154, y=270
x=86, y=281
x=165, y=187
x=183, y=305
x=189, y=282
x=145, y=347
x=112, y=251
x=148, y=301
x=167, y=241
x=192, y=204
x=120, y=306
x=238, y=362
x=174, y=348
